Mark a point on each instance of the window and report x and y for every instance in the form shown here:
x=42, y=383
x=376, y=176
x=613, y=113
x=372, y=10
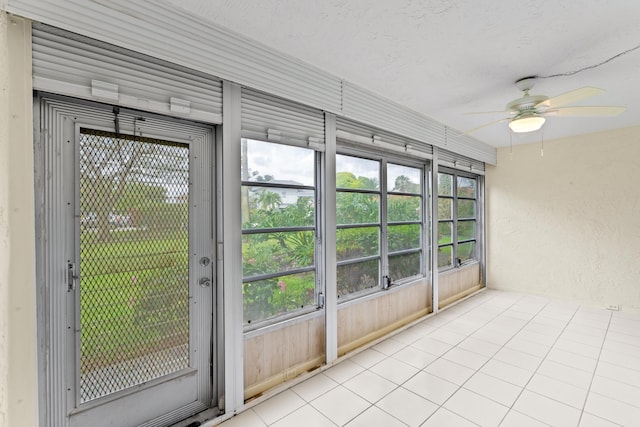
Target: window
x=457, y=217
x=404, y=221
x=379, y=228
x=278, y=229
x=358, y=224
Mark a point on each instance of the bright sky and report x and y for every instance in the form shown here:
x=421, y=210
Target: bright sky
x=297, y=164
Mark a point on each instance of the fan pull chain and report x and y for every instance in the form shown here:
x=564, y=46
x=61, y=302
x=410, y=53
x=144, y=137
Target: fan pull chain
x=541, y=144
x=510, y=144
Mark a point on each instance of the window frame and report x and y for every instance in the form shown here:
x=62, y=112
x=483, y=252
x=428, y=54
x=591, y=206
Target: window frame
x=316, y=267
x=455, y=221
x=384, y=158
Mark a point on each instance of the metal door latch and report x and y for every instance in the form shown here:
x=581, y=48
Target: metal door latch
x=72, y=277
x=205, y=282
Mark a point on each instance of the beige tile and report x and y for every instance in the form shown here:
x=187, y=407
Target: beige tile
x=493, y=388
x=278, y=406
x=558, y=390
x=389, y=346
x=465, y=358
x=447, y=336
x=571, y=359
x=623, y=392
x=431, y=345
x=589, y=420
x=476, y=408
x=394, y=370
x=567, y=374
x=618, y=373
x=407, y=406
x=414, y=357
x=518, y=358
x=546, y=410
x=343, y=371
x=444, y=417
x=314, y=387
x=430, y=387
x=374, y=417
x=246, y=419
x=368, y=358
x=483, y=347
x=306, y=416
x=370, y=386
x=517, y=419
x=612, y=410
x=340, y=405
x=506, y=372
x=449, y=371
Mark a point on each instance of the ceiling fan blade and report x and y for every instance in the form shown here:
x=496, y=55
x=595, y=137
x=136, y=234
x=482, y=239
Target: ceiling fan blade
x=495, y=122
x=585, y=111
x=571, y=97
x=489, y=112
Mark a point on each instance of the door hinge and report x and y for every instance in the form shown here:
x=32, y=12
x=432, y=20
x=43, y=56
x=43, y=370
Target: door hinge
x=72, y=277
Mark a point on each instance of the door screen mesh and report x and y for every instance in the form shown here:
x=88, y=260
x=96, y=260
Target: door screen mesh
x=134, y=261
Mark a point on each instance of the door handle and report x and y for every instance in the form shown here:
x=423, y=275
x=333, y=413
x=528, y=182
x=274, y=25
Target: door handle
x=71, y=276
x=205, y=282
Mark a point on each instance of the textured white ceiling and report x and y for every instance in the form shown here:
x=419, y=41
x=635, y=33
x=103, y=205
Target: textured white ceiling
x=447, y=58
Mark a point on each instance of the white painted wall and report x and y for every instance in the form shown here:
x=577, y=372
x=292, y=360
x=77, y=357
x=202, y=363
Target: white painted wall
x=567, y=224
x=18, y=340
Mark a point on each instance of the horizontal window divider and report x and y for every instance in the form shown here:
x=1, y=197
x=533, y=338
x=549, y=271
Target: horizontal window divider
x=365, y=295
x=255, y=329
x=357, y=190
x=345, y=226
x=466, y=219
x=276, y=230
x=279, y=274
x=358, y=260
x=444, y=245
x=467, y=241
x=445, y=220
x=467, y=198
x=405, y=252
x=277, y=185
x=405, y=222
x=400, y=193
x=406, y=280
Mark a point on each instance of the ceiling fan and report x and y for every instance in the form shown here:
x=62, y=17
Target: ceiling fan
x=527, y=113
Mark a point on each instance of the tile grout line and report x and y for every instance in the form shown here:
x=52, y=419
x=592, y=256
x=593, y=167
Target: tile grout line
x=604, y=339
x=477, y=370
x=540, y=364
x=421, y=370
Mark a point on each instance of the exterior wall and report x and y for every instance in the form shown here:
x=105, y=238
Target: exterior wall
x=567, y=225
x=458, y=283
x=17, y=235
x=363, y=321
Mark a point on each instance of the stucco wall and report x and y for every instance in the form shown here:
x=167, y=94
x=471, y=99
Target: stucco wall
x=18, y=386
x=5, y=258
x=567, y=224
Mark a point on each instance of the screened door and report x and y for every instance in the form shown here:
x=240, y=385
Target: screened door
x=136, y=216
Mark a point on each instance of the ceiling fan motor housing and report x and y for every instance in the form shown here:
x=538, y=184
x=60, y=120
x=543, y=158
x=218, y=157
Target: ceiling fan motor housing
x=526, y=104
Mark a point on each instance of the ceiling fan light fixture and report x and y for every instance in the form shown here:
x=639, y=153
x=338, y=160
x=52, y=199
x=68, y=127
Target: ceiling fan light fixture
x=526, y=124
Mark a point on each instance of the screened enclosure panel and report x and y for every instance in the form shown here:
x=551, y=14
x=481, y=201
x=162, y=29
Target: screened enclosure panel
x=134, y=261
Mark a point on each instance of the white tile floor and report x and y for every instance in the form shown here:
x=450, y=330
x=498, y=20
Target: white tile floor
x=496, y=359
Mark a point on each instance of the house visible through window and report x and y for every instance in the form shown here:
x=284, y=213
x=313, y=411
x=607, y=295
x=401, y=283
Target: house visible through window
x=278, y=230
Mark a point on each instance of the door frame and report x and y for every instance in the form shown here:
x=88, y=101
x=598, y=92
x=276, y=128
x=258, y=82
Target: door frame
x=52, y=114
